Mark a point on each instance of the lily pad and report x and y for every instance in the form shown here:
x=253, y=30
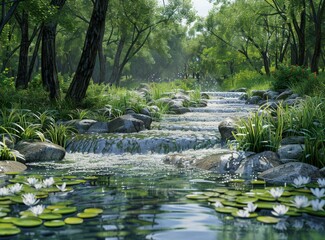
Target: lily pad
x=90, y=178
x=5, y=202
x=221, y=190
x=251, y=215
x=73, y=220
x=6, y=225
x=293, y=214
x=50, y=216
x=211, y=194
x=213, y=200
x=7, y=219
x=87, y=215
x=3, y=214
x=56, y=206
x=27, y=222
x=233, y=193
x=265, y=205
x=94, y=210
x=16, y=199
x=54, y=223
x=236, y=180
x=66, y=210
x=9, y=231
x=268, y=219
x=226, y=209
x=233, y=204
x=196, y=197
x=245, y=200
x=258, y=182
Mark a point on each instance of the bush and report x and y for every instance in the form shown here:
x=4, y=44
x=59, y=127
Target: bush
x=287, y=76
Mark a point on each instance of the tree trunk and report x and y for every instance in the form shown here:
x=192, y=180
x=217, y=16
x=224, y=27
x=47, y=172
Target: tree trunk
x=22, y=75
x=114, y=78
x=78, y=87
x=34, y=57
x=300, y=31
x=102, y=59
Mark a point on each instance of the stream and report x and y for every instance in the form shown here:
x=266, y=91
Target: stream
x=143, y=198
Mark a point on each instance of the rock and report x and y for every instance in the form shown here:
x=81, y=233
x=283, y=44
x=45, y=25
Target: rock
x=270, y=95
x=6, y=139
x=179, y=110
x=293, y=96
x=144, y=118
x=293, y=140
x=125, y=124
x=98, y=127
x=11, y=166
x=240, y=90
x=218, y=163
x=291, y=102
x=205, y=96
x=257, y=163
x=258, y=93
x=83, y=125
x=129, y=111
x=145, y=111
x=179, y=160
x=286, y=173
x=40, y=151
x=268, y=105
x=244, y=97
x=254, y=100
x=291, y=151
x=322, y=171
x=226, y=128
x=181, y=96
x=284, y=95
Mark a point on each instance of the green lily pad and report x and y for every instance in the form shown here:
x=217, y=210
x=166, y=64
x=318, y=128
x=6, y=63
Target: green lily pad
x=3, y=214
x=75, y=182
x=213, y=200
x=16, y=199
x=316, y=213
x=258, y=182
x=229, y=218
x=6, y=225
x=87, y=215
x=196, y=197
x=211, y=194
x=70, y=177
x=226, y=209
x=7, y=219
x=12, y=173
x=228, y=197
x=5, y=202
x=5, y=209
x=268, y=199
x=27, y=222
x=51, y=189
x=265, y=205
x=293, y=214
x=56, y=206
x=221, y=190
x=73, y=220
x=54, y=223
x=303, y=190
x=268, y=219
x=50, y=216
x=90, y=178
x=236, y=180
x=245, y=200
x=233, y=193
x=233, y=204
x=251, y=215
x=66, y=210
x=94, y=210
x=112, y=234
x=9, y=231
x=4, y=198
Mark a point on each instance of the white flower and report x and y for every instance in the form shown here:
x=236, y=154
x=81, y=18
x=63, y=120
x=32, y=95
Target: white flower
x=250, y=207
x=276, y=192
x=321, y=182
x=301, y=201
x=4, y=192
x=243, y=213
x=318, y=192
x=32, y=181
x=38, y=186
x=48, y=182
x=30, y=199
x=62, y=188
x=15, y=188
x=37, y=210
x=317, y=204
x=218, y=204
x=300, y=181
x=280, y=210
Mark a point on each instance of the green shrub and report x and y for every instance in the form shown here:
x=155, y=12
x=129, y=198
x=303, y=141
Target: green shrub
x=59, y=134
x=287, y=76
x=8, y=154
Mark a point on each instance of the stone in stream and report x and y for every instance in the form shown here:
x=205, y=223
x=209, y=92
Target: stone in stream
x=98, y=127
x=254, y=100
x=125, y=124
x=259, y=93
x=40, y=151
x=226, y=128
x=284, y=95
x=12, y=166
x=270, y=95
x=291, y=152
x=286, y=173
x=147, y=120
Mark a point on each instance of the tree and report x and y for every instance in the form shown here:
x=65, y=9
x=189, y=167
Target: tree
x=78, y=87
x=8, y=9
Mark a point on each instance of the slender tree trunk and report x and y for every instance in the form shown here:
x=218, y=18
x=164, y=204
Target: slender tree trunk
x=116, y=66
x=78, y=87
x=102, y=58
x=7, y=15
x=22, y=79
x=34, y=56
x=266, y=62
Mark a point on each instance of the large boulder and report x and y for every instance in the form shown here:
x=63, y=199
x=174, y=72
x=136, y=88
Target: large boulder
x=257, y=163
x=83, y=125
x=40, y=151
x=270, y=95
x=98, y=127
x=217, y=163
x=259, y=93
x=11, y=166
x=286, y=173
x=226, y=128
x=284, y=95
x=291, y=152
x=144, y=118
x=254, y=100
x=293, y=140
x=125, y=124
x=179, y=160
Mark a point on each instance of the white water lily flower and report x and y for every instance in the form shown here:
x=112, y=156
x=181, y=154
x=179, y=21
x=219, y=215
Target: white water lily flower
x=300, y=181
x=243, y=213
x=30, y=199
x=32, y=181
x=38, y=186
x=250, y=207
x=321, y=182
x=280, y=210
x=218, y=204
x=4, y=192
x=48, y=182
x=317, y=204
x=276, y=192
x=16, y=188
x=301, y=201
x=62, y=188
x=318, y=192
x=37, y=210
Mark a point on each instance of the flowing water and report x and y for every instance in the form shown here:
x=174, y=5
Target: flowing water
x=143, y=198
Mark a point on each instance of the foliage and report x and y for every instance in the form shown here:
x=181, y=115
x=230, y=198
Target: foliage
x=8, y=154
x=312, y=86
x=59, y=133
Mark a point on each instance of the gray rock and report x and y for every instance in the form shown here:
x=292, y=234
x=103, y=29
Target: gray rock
x=286, y=173
x=257, y=163
x=11, y=166
x=254, y=100
x=83, y=125
x=293, y=140
x=291, y=151
x=145, y=111
x=259, y=93
x=293, y=96
x=226, y=128
x=284, y=95
x=270, y=95
x=40, y=151
x=205, y=96
x=268, y=105
x=322, y=171
x=179, y=160
x=9, y=141
x=291, y=102
x=244, y=97
x=144, y=118
x=181, y=96
x=125, y=124
x=218, y=163
x=178, y=110
x=98, y=127
x=129, y=111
